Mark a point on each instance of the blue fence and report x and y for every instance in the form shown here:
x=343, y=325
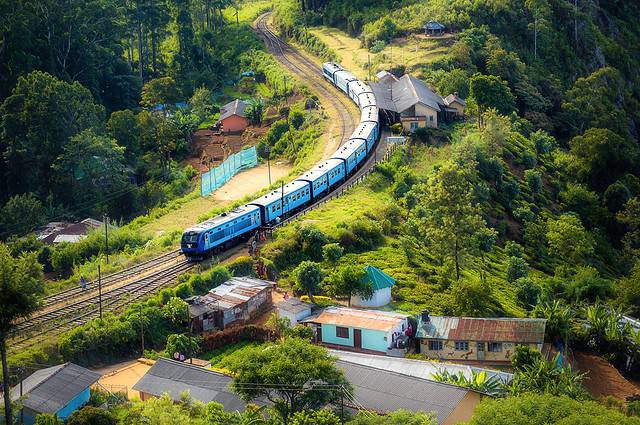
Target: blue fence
x=216, y=177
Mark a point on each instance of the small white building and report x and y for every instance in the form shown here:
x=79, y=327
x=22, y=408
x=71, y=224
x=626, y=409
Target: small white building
x=294, y=309
x=381, y=283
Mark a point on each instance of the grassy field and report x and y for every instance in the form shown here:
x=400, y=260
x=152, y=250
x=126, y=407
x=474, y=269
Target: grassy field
x=412, y=51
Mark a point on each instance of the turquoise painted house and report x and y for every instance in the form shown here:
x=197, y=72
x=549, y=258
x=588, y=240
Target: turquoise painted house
x=59, y=390
x=368, y=331
x=381, y=284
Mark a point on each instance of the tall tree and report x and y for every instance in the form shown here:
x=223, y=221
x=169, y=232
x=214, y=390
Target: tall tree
x=307, y=278
x=569, y=240
x=448, y=217
x=37, y=121
x=349, y=281
x=21, y=289
x=294, y=375
x=490, y=91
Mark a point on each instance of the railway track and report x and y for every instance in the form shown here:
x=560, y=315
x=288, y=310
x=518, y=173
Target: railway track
x=109, y=280
x=78, y=313
x=311, y=74
x=76, y=306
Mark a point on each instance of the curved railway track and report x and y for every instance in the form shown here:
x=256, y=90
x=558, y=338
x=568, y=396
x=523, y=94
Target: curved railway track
x=312, y=74
x=76, y=306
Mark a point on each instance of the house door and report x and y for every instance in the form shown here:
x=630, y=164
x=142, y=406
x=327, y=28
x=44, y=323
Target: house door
x=480, y=347
x=319, y=334
x=357, y=338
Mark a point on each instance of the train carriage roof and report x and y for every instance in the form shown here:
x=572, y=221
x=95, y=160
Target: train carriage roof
x=345, y=75
x=362, y=131
x=223, y=218
x=327, y=165
x=348, y=148
x=332, y=66
x=369, y=113
x=277, y=194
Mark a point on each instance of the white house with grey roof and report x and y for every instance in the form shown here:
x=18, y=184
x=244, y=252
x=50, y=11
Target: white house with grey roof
x=409, y=101
x=59, y=390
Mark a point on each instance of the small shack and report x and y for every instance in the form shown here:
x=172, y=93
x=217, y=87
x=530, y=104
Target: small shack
x=381, y=284
x=367, y=331
x=232, y=117
x=59, y=390
x=455, y=104
x=174, y=378
x=234, y=302
x=433, y=28
x=294, y=309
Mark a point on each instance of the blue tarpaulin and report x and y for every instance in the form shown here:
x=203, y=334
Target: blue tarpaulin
x=217, y=176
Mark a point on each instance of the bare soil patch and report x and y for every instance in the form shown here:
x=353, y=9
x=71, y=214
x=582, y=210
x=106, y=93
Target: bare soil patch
x=603, y=379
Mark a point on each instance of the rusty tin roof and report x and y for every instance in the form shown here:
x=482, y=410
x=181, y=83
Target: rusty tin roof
x=483, y=329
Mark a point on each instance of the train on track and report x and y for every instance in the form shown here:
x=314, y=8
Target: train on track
x=225, y=230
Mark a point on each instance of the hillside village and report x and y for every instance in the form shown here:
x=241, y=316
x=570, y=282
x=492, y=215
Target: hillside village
x=294, y=212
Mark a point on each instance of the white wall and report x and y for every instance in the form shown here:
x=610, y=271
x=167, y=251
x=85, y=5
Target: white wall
x=293, y=317
x=380, y=297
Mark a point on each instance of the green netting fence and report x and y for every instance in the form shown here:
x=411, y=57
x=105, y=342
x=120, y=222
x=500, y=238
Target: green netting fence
x=217, y=176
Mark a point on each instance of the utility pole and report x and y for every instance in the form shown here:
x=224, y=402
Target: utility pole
x=282, y=198
x=342, y=404
x=100, y=291
x=267, y=150
x=106, y=236
x=141, y=329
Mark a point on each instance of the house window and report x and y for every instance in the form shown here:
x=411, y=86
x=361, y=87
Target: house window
x=413, y=126
x=494, y=347
x=462, y=345
x=430, y=118
x=342, y=332
x=435, y=345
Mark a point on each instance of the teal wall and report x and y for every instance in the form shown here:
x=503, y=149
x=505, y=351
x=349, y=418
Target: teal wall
x=371, y=339
x=75, y=404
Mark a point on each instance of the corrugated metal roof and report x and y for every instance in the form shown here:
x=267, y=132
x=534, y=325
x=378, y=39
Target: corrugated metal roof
x=400, y=95
x=355, y=318
x=236, y=107
x=454, y=98
x=483, y=329
x=418, y=368
x=231, y=293
x=174, y=378
x=49, y=390
x=378, y=278
x=384, y=391
x=293, y=305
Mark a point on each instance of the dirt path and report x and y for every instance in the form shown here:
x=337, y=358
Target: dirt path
x=603, y=379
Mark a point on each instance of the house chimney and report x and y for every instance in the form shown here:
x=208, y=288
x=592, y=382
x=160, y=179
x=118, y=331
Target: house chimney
x=425, y=316
x=455, y=93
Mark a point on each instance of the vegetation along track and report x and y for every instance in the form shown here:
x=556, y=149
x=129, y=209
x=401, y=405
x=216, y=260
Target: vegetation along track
x=311, y=74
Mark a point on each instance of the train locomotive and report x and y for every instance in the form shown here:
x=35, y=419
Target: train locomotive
x=223, y=231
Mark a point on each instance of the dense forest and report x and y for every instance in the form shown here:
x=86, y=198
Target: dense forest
x=81, y=84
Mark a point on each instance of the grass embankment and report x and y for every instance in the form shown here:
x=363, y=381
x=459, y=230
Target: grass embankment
x=412, y=51
x=418, y=286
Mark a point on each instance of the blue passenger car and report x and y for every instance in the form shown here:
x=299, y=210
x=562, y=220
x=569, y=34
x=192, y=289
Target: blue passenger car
x=318, y=179
x=352, y=153
x=329, y=69
x=366, y=100
x=368, y=132
x=369, y=114
x=357, y=88
x=217, y=232
x=294, y=195
x=343, y=78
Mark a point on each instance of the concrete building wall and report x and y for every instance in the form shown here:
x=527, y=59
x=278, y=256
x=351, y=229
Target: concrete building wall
x=429, y=113
x=458, y=107
x=234, y=124
x=294, y=318
x=373, y=340
x=380, y=298
x=449, y=351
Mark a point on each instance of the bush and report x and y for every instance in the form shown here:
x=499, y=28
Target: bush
x=360, y=235
x=90, y=415
x=242, y=266
x=236, y=334
x=516, y=268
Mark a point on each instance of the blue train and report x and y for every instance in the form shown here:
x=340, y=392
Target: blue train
x=223, y=231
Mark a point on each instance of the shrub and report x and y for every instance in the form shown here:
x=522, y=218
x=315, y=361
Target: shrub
x=516, y=269
x=361, y=235
x=242, y=266
x=90, y=415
